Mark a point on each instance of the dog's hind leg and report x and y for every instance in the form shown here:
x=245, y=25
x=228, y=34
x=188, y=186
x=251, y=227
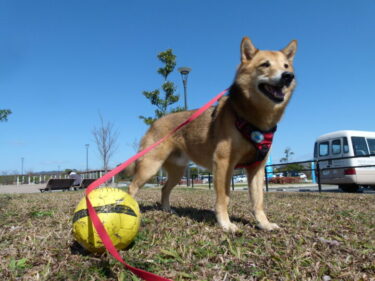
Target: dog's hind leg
x=222, y=175
x=174, y=175
x=255, y=184
x=144, y=170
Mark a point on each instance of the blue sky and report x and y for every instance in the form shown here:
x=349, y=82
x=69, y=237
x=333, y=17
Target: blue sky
x=63, y=62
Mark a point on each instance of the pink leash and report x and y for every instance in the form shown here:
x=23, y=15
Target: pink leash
x=93, y=215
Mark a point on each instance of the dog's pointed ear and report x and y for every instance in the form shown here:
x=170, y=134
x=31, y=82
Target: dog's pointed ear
x=290, y=50
x=247, y=50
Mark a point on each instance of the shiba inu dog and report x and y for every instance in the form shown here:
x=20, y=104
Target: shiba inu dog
x=231, y=134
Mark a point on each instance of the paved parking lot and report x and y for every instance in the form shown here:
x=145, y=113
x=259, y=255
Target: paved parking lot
x=22, y=188
x=312, y=188
x=34, y=188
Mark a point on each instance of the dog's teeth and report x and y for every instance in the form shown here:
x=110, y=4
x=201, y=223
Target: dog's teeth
x=279, y=93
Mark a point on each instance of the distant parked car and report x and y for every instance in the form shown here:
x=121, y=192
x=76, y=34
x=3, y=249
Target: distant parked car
x=240, y=178
x=302, y=176
x=299, y=175
x=205, y=179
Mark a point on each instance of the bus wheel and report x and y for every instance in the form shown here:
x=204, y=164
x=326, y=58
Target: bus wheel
x=349, y=187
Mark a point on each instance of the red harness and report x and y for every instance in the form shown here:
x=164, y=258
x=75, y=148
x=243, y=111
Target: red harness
x=262, y=141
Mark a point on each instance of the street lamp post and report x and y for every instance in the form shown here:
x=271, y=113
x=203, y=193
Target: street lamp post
x=87, y=157
x=184, y=75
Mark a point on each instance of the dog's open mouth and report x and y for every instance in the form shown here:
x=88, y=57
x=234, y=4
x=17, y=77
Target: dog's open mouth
x=274, y=93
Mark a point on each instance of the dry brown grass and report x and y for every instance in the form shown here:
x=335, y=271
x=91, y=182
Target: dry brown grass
x=329, y=234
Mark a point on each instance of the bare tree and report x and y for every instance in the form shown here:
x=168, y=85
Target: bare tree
x=105, y=138
x=134, y=145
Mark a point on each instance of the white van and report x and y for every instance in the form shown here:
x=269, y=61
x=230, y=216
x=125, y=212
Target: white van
x=343, y=144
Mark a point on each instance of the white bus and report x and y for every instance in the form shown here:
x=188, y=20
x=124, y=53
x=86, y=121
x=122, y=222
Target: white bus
x=343, y=144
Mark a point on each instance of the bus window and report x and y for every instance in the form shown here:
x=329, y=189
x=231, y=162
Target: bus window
x=371, y=145
x=359, y=146
x=336, y=147
x=324, y=148
x=345, y=145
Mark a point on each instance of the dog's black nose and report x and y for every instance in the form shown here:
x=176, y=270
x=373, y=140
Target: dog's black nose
x=287, y=78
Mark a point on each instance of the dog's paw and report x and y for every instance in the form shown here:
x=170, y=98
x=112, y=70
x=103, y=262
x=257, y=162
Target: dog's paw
x=230, y=227
x=268, y=226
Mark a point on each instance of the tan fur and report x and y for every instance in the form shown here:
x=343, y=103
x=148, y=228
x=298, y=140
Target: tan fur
x=212, y=140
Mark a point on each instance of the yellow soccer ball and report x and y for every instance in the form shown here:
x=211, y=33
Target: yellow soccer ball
x=118, y=212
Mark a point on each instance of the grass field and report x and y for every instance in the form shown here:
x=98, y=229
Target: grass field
x=329, y=236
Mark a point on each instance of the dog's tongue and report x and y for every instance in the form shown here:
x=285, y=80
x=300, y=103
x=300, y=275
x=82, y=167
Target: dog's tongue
x=269, y=88
x=276, y=91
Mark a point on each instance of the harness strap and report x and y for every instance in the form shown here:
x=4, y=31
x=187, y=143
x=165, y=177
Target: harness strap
x=262, y=141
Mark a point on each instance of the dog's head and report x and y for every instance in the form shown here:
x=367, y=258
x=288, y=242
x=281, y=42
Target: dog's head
x=267, y=77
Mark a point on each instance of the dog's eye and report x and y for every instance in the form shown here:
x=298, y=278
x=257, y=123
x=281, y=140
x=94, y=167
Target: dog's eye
x=265, y=64
x=286, y=65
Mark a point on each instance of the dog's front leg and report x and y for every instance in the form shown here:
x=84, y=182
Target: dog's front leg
x=222, y=174
x=255, y=184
